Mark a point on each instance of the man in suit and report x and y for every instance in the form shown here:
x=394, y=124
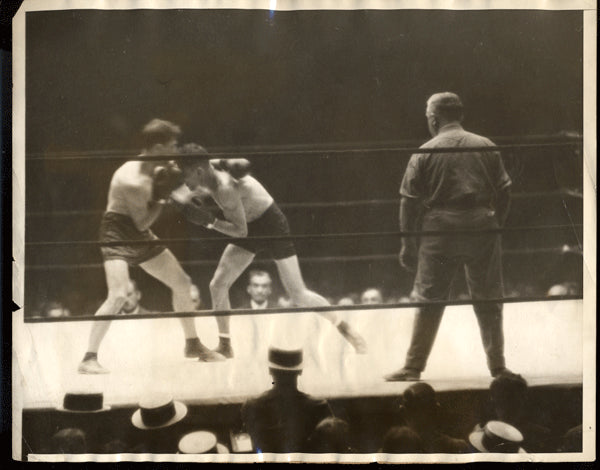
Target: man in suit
x=259, y=290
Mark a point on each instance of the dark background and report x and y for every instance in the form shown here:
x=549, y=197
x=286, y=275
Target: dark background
x=240, y=80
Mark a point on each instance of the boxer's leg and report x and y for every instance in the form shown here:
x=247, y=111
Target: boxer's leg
x=167, y=269
x=232, y=264
x=117, y=279
x=293, y=282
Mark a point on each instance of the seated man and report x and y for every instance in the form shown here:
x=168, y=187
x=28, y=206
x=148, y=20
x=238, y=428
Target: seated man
x=282, y=419
x=132, y=301
x=259, y=290
x=422, y=412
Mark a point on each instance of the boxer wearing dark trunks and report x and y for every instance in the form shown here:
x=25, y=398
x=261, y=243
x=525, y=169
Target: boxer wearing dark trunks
x=249, y=211
x=136, y=196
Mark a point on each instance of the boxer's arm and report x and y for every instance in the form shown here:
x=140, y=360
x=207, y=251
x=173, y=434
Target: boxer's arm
x=503, y=205
x=142, y=210
x=234, y=224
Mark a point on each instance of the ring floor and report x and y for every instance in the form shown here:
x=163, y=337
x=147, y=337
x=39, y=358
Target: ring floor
x=543, y=342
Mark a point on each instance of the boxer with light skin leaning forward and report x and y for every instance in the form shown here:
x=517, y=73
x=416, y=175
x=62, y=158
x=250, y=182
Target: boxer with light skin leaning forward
x=249, y=211
x=136, y=197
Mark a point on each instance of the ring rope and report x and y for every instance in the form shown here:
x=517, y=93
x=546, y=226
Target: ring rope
x=350, y=152
x=326, y=236
x=532, y=138
x=307, y=260
x=331, y=308
x=324, y=205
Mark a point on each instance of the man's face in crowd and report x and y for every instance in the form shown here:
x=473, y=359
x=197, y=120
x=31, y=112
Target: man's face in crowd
x=371, y=297
x=133, y=298
x=259, y=288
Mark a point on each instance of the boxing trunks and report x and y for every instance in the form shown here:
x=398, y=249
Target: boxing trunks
x=118, y=227
x=271, y=223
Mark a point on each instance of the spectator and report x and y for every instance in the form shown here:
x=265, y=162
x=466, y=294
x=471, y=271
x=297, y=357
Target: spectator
x=115, y=446
x=345, y=301
x=497, y=437
x=259, y=289
x=422, y=414
x=132, y=301
x=201, y=442
x=371, y=296
x=572, y=441
x=284, y=302
x=55, y=309
x=331, y=436
x=404, y=299
x=508, y=396
x=159, y=420
x=69, y=441
x=281, y=419
x=401, y=440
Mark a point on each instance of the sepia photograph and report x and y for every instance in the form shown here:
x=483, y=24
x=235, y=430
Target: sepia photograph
x=279, y=231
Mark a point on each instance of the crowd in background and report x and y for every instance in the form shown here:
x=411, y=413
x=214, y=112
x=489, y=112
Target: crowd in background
x=263, y=292
x=285, y=419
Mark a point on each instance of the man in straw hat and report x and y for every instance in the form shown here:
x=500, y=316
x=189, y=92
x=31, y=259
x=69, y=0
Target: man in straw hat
x=282, y=419
x=453, y=191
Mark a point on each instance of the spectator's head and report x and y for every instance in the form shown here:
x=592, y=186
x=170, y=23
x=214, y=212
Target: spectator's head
x=401, y=440
x=572, y=441
x=371, y=296
x=196, y=298
x=69, y=441
x=443, y=108
x=558, y=289
x=259, y=286
x=345, y=301
x=115, y=446
x=284, y=302
x=201, y=442
x=508, y=395
x=420, y=407
x=132, y=300
x=55, y=310
x=498, y=437
x=331, y=435
x=285, y=365
x=160, y=136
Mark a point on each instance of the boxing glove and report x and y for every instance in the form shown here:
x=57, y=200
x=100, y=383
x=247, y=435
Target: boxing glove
x=165, y=179
x=236, y=167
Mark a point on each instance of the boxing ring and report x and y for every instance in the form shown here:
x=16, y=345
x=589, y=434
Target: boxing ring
x=544, y=336
x=147, y=354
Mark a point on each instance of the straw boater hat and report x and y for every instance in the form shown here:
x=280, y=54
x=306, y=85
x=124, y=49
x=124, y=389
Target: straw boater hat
x=201, y=442
x=497, y=436
x=83, y=402
x=158, y=411
x=285, y=359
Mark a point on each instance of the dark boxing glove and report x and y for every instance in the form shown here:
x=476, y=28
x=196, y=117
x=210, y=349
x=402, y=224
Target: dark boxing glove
x=195, y=211
x=236, y=167
x=166, y=179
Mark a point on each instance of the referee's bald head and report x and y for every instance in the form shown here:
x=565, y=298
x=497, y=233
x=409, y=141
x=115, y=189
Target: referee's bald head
x=445, y=105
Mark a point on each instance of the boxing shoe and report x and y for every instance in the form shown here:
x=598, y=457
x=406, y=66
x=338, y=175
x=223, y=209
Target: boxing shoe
x=195, y=349
x=405, y=374
x=91, y=366
x=503, y=372
x=225, y=350
x=357, y=341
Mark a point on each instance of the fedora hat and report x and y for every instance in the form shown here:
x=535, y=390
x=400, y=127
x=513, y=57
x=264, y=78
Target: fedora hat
x=158, y=411
x=285, y=359
x=497, y=436
x=83, y=402
x=201, y=442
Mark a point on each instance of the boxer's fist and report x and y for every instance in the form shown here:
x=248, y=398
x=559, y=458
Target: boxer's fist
x=236, y=167
x=166, y=178
x=194, y=211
